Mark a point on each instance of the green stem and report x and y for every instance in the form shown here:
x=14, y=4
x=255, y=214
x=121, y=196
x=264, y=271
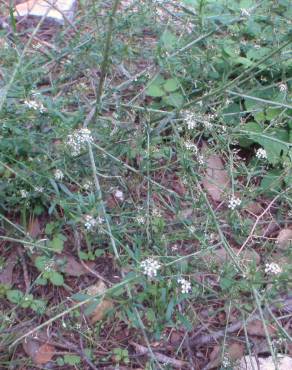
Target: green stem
x=105, y=62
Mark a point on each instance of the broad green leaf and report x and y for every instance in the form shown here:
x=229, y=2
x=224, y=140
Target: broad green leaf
x=171, y=85
x=72, y=360
x=14, y=295
x=271, y=181
x=41, y=262
x=175, y=100
x=275, y=143
x=80, y=297
x=168, y=39
x=91, y=307
x=57, y=244
x=56, y=278
x=155, y=91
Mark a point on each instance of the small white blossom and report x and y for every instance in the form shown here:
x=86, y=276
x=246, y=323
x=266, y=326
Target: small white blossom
x=78, y=140
x=100, y=220
x=88, y=185
x=119, y=195
x=24, y=193
x=150, y=267
x=58, y=174
x=35, y=105
x=49, y=266
x=191, y=146
x=140, y=219
x=156, y=212
x=234, y=202
x=245, y=12
x=39, y=189
x=226, y=362
x=273, y=268
x=283, y=87
x=90, y=222
x=261, y=153
x=192, y=229
x=200, y=159
x=186, y=286
x=190, y=119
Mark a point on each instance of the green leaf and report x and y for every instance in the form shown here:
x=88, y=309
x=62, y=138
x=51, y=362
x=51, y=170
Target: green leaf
x=155, y=91
x=171, y=85
x=271, y=181
x=168, y=40
x=186, y=323
x=57, y=244
x=41, y=262
x=14, y=296
x=91, y=307
x=274, y=142
x=72, y=360
x=175, y=100
x=80, y=297
x=170, y=309
x=56, y=278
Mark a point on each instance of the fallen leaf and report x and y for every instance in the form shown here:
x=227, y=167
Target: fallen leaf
x=101, y=308
x=252, y=362
x=68, y=265
x=233, y=351
x=256, y=327
x=220, y=256
x=216, y=179
x=6, y=273
x=284, y=238
x=40, y=353
x=34, y=228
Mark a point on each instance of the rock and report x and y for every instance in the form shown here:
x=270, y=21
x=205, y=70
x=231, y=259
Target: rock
x=251, y=363
x=284, y=238
x=55, y=10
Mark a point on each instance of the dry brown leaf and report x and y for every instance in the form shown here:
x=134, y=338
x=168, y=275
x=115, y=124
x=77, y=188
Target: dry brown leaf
x=216, y=179
x=6, y=273
x=34, y=228
x=71, y=267
x=284, y=238
x=220, y=256
x=104, y=306
x=38, y=352
x=251, y=363
x=256, y=327
x=234, y=351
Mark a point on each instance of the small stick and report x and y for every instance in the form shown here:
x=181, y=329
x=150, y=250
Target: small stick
x=24, y=268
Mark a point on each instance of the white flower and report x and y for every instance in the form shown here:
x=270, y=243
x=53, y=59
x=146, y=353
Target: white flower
x=272, y=268
x=119, y=195
x=226, y=362
x=261, y=153
x=39, y=189
x=156, y=212
x=283, y=87
x=191, y=146
x=35, y=105
x=186, y=286
x=140, y=219
x=24, y=193
x=192, y=229
x=200, y=159
x=78, y=140
x=49, y=266
x=90, y=222
x=58, y=174
x=234, y=202
x=88, y=185
x=190, y=119
x=245, y=12
x=150, y=267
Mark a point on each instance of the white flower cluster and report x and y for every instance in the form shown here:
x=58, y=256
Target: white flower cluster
x=190, y=119
x=156, y=212
x=49, y=266
x=35, y=105
x=261, y=153
x=245, y=12
x=58, y=174
x=186, y=286
x=39, y=189
x=23, y=193
x=140, y=219
x=150, y=267
x=78, y=140
x=191, y=146
x=90, y=222
x=119, y=195
x=234, y=202
x=273, y=268
x=88, y=185
x=283, y=87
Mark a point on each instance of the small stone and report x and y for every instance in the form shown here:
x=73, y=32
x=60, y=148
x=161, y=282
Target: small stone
x=56, y=10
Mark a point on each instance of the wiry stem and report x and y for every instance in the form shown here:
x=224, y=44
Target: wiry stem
x=106, y=53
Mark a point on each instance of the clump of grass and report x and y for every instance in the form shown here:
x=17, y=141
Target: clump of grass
x=104, y=157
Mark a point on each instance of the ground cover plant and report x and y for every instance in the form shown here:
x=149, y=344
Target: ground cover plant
x=145, y=186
